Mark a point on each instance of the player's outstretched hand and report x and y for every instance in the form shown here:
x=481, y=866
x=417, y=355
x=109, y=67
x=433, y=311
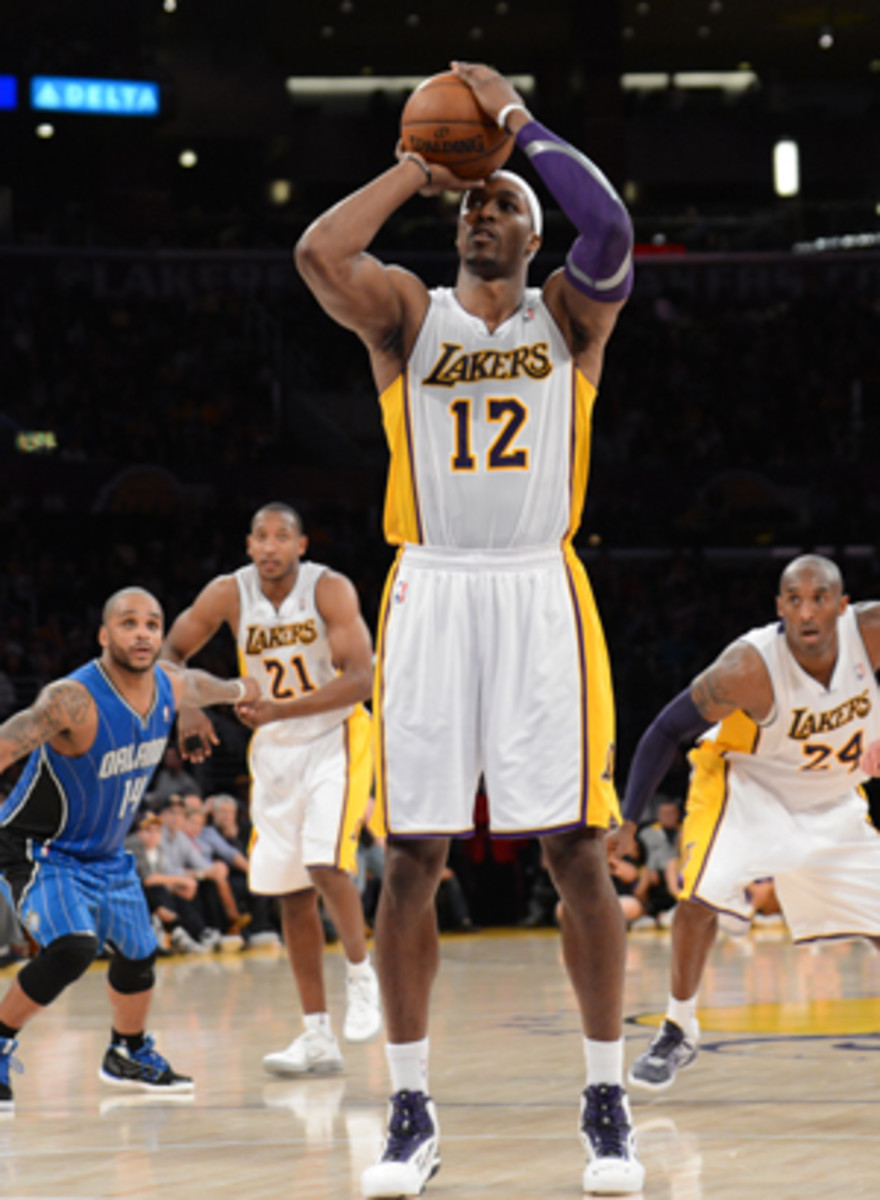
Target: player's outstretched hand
x=196, y=735
x=493, y=91
x=871, y=759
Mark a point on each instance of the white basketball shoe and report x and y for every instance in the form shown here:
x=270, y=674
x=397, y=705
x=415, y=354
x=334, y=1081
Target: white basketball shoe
x=315, y=1052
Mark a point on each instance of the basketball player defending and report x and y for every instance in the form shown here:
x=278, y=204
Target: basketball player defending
x=491, y=656
x=94, y=740
x=794, y=710
x=300, y=633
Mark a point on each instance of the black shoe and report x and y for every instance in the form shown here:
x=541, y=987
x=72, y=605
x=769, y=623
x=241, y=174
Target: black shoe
x=144, y=1068
x=670, y=1051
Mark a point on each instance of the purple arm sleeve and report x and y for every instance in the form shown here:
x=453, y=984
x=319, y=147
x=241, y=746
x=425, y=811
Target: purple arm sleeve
x=599, y=263
x=680, y=721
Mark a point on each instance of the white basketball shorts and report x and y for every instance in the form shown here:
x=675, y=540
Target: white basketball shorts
x=307, y=804
x=824, y=861
x=492, y=663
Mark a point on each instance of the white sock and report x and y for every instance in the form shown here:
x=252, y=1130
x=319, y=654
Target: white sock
x=361, y=970
x=684, y=1014
x=408, y=1063
x=604, y=1062
x=319, y=1021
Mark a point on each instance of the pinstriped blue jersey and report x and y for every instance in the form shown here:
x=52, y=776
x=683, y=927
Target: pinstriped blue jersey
x=84, y=806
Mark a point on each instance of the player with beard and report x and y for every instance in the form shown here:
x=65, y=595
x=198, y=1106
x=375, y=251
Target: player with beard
x=301, y=634
x=491, y=656
x=94, y=739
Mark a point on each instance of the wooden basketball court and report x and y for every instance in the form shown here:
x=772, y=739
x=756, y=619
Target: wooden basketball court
x=783, y=1101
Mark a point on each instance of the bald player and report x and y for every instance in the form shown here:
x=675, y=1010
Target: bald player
x=94, y=739
x=491, y=656
x=788, y=721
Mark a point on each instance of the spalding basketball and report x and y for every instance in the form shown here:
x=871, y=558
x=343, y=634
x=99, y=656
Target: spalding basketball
x=443, y=123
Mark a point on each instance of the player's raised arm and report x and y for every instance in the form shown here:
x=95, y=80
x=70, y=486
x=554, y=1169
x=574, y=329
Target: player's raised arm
x=383, y=305
x=588, y=294
x=352, y=286
x=64, y=709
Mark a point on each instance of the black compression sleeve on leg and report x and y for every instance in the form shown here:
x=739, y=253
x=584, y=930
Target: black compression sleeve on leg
x=131, y=975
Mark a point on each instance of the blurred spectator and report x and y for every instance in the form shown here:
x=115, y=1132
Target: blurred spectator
x=172, y=778
x=223, y=816
x=171, y=897
x=213, y=870
x=542, y=897
x=657, y=887
x=625, y=874
x=453, y=913
x=370, y=862
x=183, y=858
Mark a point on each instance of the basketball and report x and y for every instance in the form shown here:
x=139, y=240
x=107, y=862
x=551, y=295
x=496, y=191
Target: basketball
x=443, y=123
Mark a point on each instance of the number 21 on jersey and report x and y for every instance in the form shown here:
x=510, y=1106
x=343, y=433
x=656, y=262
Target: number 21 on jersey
x=284, y=676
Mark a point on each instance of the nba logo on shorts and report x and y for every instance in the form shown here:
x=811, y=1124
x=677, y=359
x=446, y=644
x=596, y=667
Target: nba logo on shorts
x=400, y=591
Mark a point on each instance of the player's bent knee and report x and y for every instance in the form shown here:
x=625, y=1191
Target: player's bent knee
x=57, y=966
x=131, y=975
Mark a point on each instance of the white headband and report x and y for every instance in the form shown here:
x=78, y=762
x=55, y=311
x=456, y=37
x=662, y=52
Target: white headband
x=528, y=192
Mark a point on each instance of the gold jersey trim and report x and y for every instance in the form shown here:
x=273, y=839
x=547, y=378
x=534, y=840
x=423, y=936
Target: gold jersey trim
x=402, y=520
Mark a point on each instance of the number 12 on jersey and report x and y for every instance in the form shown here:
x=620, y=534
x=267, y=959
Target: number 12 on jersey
x=506, y=411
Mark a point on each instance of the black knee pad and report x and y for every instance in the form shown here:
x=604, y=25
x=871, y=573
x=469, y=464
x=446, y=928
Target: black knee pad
x=57, y=965
x=131, y=975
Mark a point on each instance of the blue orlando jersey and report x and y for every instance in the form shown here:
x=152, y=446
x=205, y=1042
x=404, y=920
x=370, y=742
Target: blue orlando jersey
x=84, y=806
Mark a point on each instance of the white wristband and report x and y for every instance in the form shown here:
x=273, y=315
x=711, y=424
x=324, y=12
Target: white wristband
x=506, y=111
x=242, y=691
x=420, y=162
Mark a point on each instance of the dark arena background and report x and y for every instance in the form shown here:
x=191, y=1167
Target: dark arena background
x=163, y=371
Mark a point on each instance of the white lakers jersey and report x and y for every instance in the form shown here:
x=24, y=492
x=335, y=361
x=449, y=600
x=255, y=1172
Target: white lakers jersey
x=489, y=432
x=286, y=651
x=807, y=753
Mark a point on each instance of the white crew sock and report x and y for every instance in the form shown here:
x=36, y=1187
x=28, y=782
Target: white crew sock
x=318, y=1021
x=408, y=1063
x=684, y=1014
x=604, y=1062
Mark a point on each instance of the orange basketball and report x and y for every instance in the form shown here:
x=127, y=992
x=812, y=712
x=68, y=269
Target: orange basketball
x=443, y=123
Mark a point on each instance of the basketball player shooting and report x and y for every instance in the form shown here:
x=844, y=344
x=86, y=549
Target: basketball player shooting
x=489, y=636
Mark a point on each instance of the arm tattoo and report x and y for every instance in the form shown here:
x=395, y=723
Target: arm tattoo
x=22, y=734
x=709, y=692
x=59, y=707
x=73, y=704
x=201, y=689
